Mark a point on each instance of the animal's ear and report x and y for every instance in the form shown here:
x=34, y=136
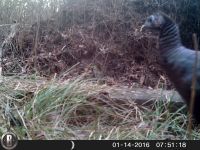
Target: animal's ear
x=159, y=20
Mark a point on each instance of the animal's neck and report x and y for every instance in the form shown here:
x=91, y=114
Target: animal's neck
x=169, y=38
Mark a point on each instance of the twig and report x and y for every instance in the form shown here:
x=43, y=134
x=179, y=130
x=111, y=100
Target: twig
x=4, y=25
x=36, y=43
x=193, y=91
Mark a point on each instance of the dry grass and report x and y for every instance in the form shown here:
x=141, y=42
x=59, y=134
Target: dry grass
x=80, y=109
x=92, y=33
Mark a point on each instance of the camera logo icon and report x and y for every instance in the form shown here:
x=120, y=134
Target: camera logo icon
x=9, y=141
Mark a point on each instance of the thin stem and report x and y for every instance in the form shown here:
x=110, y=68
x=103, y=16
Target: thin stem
x=193, y=91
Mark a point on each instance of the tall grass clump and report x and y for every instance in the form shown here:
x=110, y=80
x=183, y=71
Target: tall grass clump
x=82, y=109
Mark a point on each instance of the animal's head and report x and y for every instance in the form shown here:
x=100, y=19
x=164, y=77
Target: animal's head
x=156, y=21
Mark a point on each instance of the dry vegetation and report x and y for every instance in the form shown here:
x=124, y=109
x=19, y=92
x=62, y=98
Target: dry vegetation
x=65, y=55
x=82, y=109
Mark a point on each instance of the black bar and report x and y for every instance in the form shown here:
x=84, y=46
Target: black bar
x=107, y=144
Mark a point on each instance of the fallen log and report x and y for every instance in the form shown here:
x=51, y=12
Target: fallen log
x=140, y=96
x=144, y=96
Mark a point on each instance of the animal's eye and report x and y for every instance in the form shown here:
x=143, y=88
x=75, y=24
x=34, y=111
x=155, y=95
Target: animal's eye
x=150, y=19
